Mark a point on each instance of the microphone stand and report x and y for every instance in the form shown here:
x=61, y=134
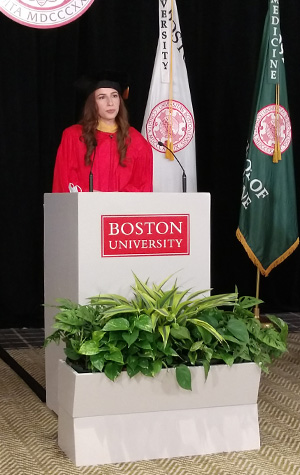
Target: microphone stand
x=91, y=177
x=91, y=185
x=183, y=171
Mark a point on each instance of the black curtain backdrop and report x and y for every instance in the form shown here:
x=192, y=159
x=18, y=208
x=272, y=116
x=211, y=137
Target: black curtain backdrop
x=37, y=101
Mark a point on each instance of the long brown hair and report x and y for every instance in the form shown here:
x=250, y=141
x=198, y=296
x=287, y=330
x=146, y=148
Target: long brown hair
x=89, y=124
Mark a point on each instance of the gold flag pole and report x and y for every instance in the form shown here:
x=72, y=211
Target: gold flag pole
x=256, y=309
x=265, y=323
x=168, y=154
x=276, y=158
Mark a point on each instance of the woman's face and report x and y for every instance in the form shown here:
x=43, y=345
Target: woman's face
x=108, y=104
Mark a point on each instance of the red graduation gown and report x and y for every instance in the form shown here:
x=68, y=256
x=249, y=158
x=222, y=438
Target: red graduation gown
x=108, y=175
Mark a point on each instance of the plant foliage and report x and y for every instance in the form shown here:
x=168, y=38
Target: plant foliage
x=165, y=328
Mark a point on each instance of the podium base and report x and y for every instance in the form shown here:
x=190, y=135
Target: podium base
x=154, y=418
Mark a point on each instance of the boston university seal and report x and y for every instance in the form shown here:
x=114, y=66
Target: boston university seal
x=264, y=130
x=44, y=13
x=182, y=124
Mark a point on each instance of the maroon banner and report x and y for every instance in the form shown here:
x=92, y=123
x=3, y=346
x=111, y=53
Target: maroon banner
x=152, y=235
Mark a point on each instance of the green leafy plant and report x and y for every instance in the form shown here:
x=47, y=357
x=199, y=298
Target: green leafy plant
x=165, y=329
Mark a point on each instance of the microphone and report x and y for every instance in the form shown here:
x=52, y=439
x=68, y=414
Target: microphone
x=91, y=177
x=183, y=172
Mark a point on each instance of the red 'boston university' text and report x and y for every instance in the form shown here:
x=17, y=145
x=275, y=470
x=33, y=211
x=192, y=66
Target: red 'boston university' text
x=133, y=235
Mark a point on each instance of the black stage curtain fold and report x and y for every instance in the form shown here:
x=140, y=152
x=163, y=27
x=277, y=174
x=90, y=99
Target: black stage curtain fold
x=37, y=101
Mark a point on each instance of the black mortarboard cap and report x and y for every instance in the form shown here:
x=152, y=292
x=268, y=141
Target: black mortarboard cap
x=113, y=79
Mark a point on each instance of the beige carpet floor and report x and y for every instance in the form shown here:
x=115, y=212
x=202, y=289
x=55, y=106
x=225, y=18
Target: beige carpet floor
x=28, y=429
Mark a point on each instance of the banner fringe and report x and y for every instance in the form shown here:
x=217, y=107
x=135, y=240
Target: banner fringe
x=256, y=262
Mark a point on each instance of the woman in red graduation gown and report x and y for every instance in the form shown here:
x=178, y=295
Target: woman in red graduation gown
x=118, y=155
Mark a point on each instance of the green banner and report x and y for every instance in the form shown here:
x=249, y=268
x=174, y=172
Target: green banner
x=268, y=227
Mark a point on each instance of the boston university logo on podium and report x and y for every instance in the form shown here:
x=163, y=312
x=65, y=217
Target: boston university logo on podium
x=44, y=13
x=152, y=235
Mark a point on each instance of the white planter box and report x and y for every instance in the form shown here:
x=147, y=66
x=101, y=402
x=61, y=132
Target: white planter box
x=101, y=421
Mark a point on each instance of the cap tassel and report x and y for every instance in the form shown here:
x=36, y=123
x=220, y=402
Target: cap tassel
x=277, y=151
x=168, y=154
x=125, y=94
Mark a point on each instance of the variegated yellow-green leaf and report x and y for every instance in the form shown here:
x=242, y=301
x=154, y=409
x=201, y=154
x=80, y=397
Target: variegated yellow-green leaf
x=116, y=324
x=208, y=327
x=143, y=322
x=89, y=347
x=164, y=331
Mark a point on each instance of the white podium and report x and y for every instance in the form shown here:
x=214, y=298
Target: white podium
x=94, y=241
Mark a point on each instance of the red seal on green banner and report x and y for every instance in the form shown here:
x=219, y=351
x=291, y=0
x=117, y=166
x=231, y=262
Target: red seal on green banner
x=264, y=130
